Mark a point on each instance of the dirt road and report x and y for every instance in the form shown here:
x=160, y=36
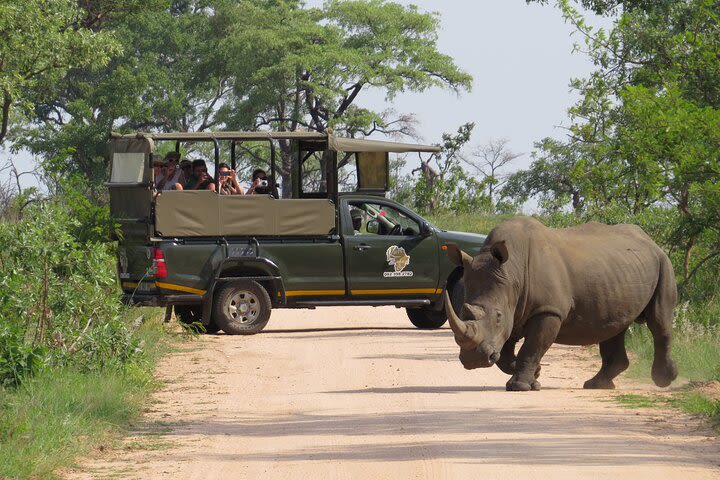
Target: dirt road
x=346, y=393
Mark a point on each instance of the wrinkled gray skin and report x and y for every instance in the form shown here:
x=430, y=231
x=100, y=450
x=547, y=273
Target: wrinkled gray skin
x=575, y=286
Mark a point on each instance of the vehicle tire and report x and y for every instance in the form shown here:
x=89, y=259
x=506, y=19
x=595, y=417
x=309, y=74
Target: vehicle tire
x=426, y=318
x=191, y=315
x=242, y=308
x=457, y=295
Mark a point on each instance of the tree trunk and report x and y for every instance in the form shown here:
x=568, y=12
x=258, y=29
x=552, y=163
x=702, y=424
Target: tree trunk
x=286, y=161
x=686, y=263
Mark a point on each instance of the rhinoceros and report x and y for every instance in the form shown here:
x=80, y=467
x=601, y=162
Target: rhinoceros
x=575, y=286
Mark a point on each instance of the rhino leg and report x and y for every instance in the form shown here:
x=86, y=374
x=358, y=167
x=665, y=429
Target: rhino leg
x=507, y=359
x=614, y=362
x=659, y=316
x=540, y=333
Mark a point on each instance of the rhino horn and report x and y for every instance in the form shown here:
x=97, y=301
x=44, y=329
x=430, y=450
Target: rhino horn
x=458, y=326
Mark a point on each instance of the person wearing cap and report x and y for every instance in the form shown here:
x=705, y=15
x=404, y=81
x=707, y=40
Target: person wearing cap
x=172, y=177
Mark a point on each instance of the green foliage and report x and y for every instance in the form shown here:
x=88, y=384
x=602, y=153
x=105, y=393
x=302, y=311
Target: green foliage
x=443, y=184
x=692, y=402
x=60, y=413
x=42, y=41
x=237, y=64
x=473, y=223
x=644, y=136
x=58, y=294
x=18, y=360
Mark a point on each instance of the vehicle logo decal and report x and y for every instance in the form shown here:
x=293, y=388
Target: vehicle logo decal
x=397, y=258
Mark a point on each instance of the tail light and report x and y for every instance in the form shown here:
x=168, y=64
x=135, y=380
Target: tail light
x=159, y=263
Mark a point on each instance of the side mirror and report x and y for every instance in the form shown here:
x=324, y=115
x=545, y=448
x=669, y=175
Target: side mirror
x=425, y=229
x=373, y=226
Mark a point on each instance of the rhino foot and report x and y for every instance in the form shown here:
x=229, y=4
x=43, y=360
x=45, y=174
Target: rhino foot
x=596, y=383
x=664, y=374
x=514, y=385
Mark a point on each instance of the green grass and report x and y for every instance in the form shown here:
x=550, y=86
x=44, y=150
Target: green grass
x=472, y=223
x=696, y=350
x=62, y=413
x=688, y=401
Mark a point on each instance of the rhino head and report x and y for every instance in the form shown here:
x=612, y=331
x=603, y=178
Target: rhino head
x=486, y=319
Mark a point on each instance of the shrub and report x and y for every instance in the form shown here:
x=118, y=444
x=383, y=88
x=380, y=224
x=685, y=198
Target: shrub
x=58, y=296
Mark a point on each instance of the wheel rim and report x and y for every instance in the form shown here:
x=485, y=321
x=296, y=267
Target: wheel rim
x=243, y=306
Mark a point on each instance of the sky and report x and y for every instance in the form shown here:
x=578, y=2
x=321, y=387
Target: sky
x=521, y=60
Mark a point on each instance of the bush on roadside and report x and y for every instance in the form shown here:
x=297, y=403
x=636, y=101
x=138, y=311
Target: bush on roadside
x=58, y=297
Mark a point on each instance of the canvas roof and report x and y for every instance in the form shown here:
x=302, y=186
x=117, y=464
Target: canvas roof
x=334, y=143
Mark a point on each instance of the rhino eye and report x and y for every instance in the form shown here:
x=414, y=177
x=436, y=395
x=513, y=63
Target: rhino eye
x=499, y=317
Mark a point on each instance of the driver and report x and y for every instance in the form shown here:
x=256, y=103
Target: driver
x=356, y=217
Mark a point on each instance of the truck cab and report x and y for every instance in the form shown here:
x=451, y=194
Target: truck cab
x=225, y=261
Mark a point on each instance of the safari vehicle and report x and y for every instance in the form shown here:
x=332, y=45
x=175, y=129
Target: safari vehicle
x=226, y=260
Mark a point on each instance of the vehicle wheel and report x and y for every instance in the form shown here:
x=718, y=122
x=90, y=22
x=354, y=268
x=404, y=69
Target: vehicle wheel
x=426, y=318
x=191, y=315
x=457, y=295
x=242, y=308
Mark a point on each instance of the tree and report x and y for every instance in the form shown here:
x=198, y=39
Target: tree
x=488, y=160
x=442, y=182
x=42, y=41
x=196, y=65
x=306, y=68
x=169, y=78
x=609, y=7
x=644, y=133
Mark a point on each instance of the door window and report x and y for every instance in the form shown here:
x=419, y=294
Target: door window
x=376, y=219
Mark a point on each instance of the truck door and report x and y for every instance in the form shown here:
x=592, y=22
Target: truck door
x=131, y=206
x=385, y=253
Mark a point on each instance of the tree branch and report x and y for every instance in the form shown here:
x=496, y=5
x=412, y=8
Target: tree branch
x=7, y=101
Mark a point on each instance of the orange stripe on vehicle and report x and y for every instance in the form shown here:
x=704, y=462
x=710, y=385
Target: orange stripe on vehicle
x=179, y=288
x=129, y=285
x=391, y=291
x=300, y=293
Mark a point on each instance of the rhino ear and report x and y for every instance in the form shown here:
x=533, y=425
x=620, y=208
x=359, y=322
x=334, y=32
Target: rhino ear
x=500, y=251
x=457, y=256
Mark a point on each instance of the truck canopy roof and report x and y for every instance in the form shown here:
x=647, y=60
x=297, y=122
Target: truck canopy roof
x=325, y=141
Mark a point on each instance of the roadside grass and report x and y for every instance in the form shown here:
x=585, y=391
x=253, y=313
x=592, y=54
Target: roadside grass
x=473, y=223
x=696, y=350
x=688, y=401
x=61, y=413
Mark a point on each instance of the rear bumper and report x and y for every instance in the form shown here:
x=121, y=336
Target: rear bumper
x=144, y=300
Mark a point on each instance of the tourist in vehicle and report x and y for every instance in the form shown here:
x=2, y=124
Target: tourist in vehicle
x=191, y=179
x=227, y=181
x=203, y=180
x=356, y=217
x=158, y=164
x=172, y=177
x=261, y=184
x=186, y=169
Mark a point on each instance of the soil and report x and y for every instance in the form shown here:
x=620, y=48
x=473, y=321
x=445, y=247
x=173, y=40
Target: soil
x=345, y=393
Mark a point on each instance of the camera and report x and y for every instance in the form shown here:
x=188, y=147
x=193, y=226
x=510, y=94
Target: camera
x=263, y=183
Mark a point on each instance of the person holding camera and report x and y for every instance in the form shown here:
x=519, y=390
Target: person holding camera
x=227, y=181
x=201, y=179
x=261, y=184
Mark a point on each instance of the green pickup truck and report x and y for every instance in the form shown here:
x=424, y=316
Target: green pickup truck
x=225, y=261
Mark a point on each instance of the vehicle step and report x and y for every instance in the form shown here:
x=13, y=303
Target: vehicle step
x=366, y=303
